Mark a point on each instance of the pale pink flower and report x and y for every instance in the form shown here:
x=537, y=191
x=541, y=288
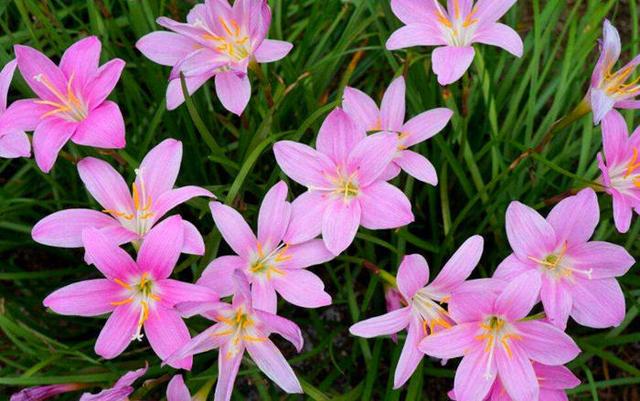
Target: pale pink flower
x=271, y=266
x=120, y=391
x=455, y=30
x=553, y=380
x=13, y=140
x=390, y=117
x=138, y=294
x=240, y=327
x=577, y=275
x=41, y=393
x=620, y=168
x=423, y=314
x=218, y=40
x=345, y=189
x=71, y=101
x=127, y=216
x=611, y=89
x=493, y=339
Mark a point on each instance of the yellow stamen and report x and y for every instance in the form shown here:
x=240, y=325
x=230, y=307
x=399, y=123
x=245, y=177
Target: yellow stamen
x=123, y=302
x=225, y=26
x=633, y=163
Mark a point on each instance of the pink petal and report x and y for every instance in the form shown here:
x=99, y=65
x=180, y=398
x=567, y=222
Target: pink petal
x=502, y=36
x=23, y=115
x=49, y=137
x=272, y=50
x=159, y=169
x=600, y=259
x=111, y=260
x=118, y=331
x=234, y=91
x=172, y=292
x=615, y=136
x=177, y=390
x=64, y=228
x=413, y=274
x=411, y=11
x=272, y=363
x=165, y=48
x=417, y=166
x=218, y=275
x=415, y=34
x=598, y=303
x=519, y=296
x=392, y=109
x=228, y=370
x=32, y=64
x=371, y=156
x=174, y=197
x=302, y=288
x=340, y=224
x=575, y=218
x=529, y=234
x=361, y=108
x=187, y=30
x=555, y=377
x=517, y=374
x=175, y=96
x=15, y=144
x=474, y=299
x=105, y=184
x=161, y=248
x=391, y=172
x=450, y=63
x=384, y=206
x=103, y=128
x=557, y=301
x=338, y=136
x=450, y=343
x=475, y=376
x=107, y=78
x=622, y=213
x=306, y=217
x=628, y=104
x=202, y=61
x=209, y=339
x=382, y=325
x=85, y=298
x=235, y=231
x=193, y=243
x=263, y=296
x=274, y=215
x=80, y=61
x=6, y=76
x=511, y=267
x=426, y=125
x=601, y=104
x=306, y=254
x=303, y=164
x=492, y=10
x=410, y=356
x=167, y=333
x=610, y=49
x=458, y=268
x=546, y=343
x=283, y=327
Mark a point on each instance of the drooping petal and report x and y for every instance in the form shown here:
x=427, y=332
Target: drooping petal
x=413, y=274
x=177, y=390
x=235, y=231
x=64, y=228
x=85, y=298
x=274, y=216
x=384, y=206
x=174, y=197
x=458, y=268
x=40, y=73
x=450, y=63
x=415, y=34
x=263, y=296
x=557, y=301
x=118, y=331
x=392, y=108
x=475, y=376
x=306, y=217
x=105, y=184
x=371, y=156
x=269, y=359
x=511, y=267
x=546, y=343
x=575, y=218
x=303, y=164
x=111, y=260
x=502, y=36
x=218, y=275
x=615, y=135
x=228, y=367
x=175, y=96
x=161, y=248
x=519, y=296
x=302, y=288
x=99, y=88
x=382, y=325
x=193, y=243
x=15, y=144
x=272, y=50
x=159, y=169
x=410, y=356
x=601, y=104
x=425, y=125
x=338, y=136
x=167, y=333
x=173, y=292
x=598, y=259
x=306, y=254
x=517, y=374
x=283, y=327
x=529, y=234
x=362, y=109
x=103, y=128
x=340, y=224
x=450, y=343
x=233, y=91
x=48, y=138
x=598, y=303
x=80, y=61
x=165, y=48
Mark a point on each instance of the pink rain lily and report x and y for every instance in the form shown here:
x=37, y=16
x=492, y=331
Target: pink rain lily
x=120, y=391
x=270, y=265
x=620, y=168
x=138, y=294
x=390, y=117
x=218, y=40
x=553, y=380
x=13, y=141
x=71, y=101
x=493, y=339
x=127, y=216
x=455, y=30
x=240, y=327
x=41, y=393
x=423, y=314
x=611, y=89
x=345, y=188
x=577, y=275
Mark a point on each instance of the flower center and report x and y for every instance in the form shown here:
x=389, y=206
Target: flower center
x=140, y=221
x=240, y=327
x=557, y=266
x=346, y=186
x=140, y=291
x=267, y=265
x=234, y=43
x=496, y=332
x=432, y=314
x=626, y=178
x=69, y=107
x=616, y=84
x=457, y=28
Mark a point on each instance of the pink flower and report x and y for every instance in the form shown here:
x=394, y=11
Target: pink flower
x=71, y=103
x=269, y=264
x=553, y=380
x=40, y=393
x=423, y=315
x=138, y=294
x=621, y=170
x=345, y=189
x=456, y=30
x=120, y=391
x=219, y=41
x=610, y=89
x=390, y=117
x=126, y=216
x=493, y=339
x=577, y=275
x=13, y=141
x=240, y=327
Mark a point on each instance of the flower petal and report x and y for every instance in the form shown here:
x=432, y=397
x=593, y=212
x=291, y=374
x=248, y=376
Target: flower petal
x=234, y=91
x=118, y=331
x=382, y=325
x=173, y=292
x=15, y=144
x=85, y=298
x=361, y=108
x=306, y=254
x=303, y=164
x=511, y=267
x=174, y=197
x=338, y=136
x=167, y=333
x=417, y=166
x=23, y=115
x=475, y=376
x=615, y=136
x=48, y=138
x=492, y=10
x=610, y=49
x=203, y=342
x=426, y=125
x=413, y=274
x=474, y=299
x=502, y=36
x=458, y=268
x=601, y=104
x=103, y=128
x=269, y=359
x=415, y=34
x=410, y=356
x=175, y=96
x=40, y=72
x=111, y=260
x=384, y=206
x=161, y=248
x=575, y=218
x=283, y=327
x=193, y=243
x=6, y=76
x=411, y=11
x=159, y=169
x=546, y=343
x=555, y=377
x=106, y=79
x=64, y=228
x=263, y=296
x=371, y=156
x=306, y=217
x=80, y=61
x=228, y=370
x=622, y=213
x=519, y=296
x=600, y=259
x=302, y=288
x=557, y=301
x=450, y=343
x=529, y=234
x=272, y=50
x=274, y=216
x=517, y=374
x=450, y=63
x=218, y=275
x=177, y=390
x=235, y=231
x=598, y=303
x=340, y=224
x=105, y=184
x=392, y=108
x=165, y=48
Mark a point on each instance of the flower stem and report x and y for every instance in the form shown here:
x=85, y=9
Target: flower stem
x=384, y=275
